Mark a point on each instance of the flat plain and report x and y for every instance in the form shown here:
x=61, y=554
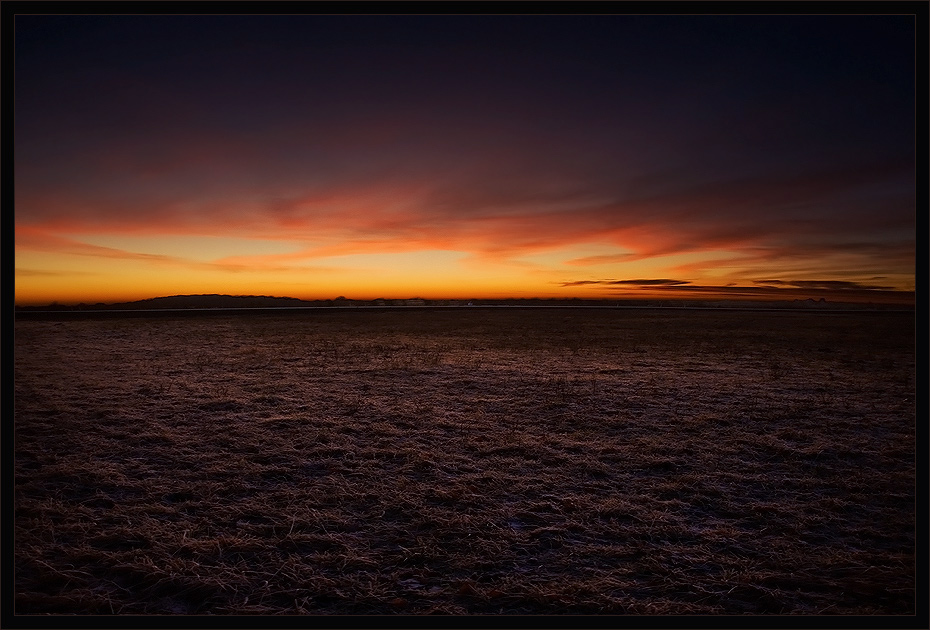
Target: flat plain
x=466, y=461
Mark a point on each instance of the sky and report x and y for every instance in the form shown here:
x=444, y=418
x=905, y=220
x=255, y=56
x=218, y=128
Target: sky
x=609, y=156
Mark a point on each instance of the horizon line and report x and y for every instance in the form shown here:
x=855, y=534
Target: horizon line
x=831, y=297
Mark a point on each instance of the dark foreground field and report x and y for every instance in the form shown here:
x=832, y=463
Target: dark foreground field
x=467, y=461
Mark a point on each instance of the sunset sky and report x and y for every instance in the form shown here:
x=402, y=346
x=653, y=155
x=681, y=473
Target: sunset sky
x=466, y=156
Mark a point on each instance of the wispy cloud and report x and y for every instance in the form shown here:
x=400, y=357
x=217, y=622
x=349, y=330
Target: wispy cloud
x=835, y=285
x=31, y=239
x=46, y=273
x=36, y=240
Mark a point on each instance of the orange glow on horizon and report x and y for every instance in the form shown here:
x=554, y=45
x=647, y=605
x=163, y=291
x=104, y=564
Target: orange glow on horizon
x=399, y=250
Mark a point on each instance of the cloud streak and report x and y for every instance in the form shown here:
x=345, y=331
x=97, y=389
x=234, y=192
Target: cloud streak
x=641, y=282
x=833, y=285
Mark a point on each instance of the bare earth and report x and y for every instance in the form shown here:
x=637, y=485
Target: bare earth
x=466, y=461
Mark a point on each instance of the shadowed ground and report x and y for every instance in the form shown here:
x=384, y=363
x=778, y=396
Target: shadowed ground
x=467, y=461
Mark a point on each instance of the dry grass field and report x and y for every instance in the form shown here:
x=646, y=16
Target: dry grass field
x=466, y=461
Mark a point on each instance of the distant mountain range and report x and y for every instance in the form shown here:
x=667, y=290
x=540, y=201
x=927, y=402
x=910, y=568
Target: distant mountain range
x=207, y=301
x=215, y=301
x=190, y=301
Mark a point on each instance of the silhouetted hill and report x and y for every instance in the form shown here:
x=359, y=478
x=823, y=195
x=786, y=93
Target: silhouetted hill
x=215, y=301
x=186, y=302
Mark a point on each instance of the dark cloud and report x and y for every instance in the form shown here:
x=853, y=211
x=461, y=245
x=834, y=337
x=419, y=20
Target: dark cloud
x=833, y=285
x=642, y=282
x=769, y=289
x=780, y=285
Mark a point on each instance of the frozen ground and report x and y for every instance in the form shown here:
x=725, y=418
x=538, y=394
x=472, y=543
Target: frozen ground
x=466, y=461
